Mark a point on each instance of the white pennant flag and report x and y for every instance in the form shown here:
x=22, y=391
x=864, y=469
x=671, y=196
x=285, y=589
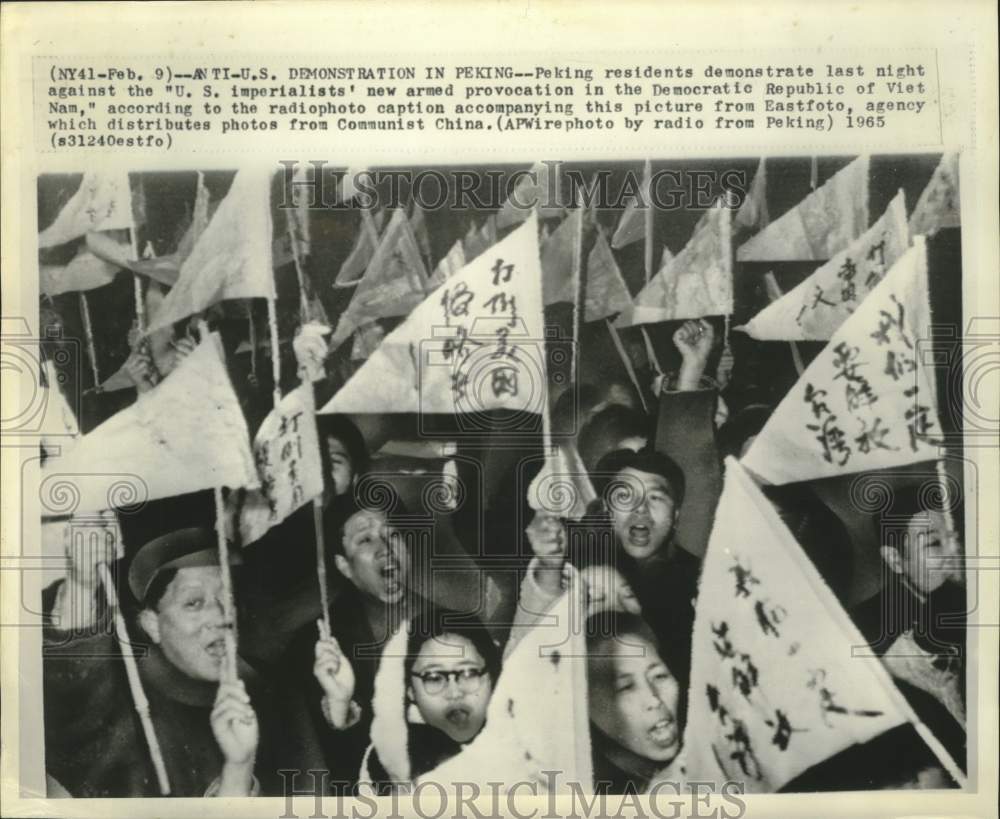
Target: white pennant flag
x=186, y=434
x=814, y=309
x=821, y=225
x=537, y=727
x=472, y=345
x=866, y=401
x=696, y=282
x=102, y=202
x=232, y=258
x=85, y=271
x=753, y=214
x=774, y=687
x=393, y=284
x=286, y=451
x=939, y=206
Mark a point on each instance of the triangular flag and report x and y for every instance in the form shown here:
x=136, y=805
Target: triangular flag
x=162, y=269
x=232, y=258
x=472, y=345
x=632, y=224
x=102, y=202
x=697, y=282
x=774, y=686
x=184, y=435
x=537, y=728
x=357, y=261
x=558, y=282
x=84, y=272
x=449, y=265
x=394, y=283
x=286, y=452
x=753, y=214
x=536, y=189
x=814, y=309
x=866, y=401
x=562, y=487
x=607, y=292
x=821, y=225
x=939, y=206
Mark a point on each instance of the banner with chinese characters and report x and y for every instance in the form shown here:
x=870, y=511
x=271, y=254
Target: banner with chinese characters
x=102, y=202
x=476, y=343
x=286, y=452
x=939, y=206
x=814, y=309
x=696, y=282
x=821, y=225
x=866, y=401
x=774, y=687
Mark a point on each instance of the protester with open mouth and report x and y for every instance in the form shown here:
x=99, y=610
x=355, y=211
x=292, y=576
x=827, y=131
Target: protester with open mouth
x=431, y=694
x=635, y=704
x=218, y=736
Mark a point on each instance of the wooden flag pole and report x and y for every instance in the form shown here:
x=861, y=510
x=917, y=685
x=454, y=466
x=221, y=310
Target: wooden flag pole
x=299, y=272
x=140, y=303
x=228, y=607
x=647, y=183
x=88, y=331
x=774, y=293
x=134, y=681
x=578, y=280
x=272, y=323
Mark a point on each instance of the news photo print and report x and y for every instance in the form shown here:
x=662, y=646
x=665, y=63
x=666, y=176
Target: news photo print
x=564, y=479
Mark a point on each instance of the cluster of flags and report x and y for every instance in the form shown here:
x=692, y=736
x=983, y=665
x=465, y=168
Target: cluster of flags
x=471, y=340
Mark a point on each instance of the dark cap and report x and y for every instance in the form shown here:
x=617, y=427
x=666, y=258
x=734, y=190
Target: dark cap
x=182, y=549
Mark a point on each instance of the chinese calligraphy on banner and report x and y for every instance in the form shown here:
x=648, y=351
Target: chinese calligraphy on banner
x=774, y=688
x=866, y=401
x=103, y=202
x=286, y=452
x=814, y=309
x=474, y=344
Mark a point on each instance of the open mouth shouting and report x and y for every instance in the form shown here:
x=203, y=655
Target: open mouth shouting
x=663, y=733
x=216, y=649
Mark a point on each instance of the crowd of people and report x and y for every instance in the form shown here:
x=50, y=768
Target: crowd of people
x=395, y=677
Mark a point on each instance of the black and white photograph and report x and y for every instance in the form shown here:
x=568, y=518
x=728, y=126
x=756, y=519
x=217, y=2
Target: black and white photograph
x=574, y=477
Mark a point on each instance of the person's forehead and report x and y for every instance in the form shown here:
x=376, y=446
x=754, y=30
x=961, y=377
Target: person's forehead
x=649, y=480
x=195, y=578
x=447, y=650
x=364, y=519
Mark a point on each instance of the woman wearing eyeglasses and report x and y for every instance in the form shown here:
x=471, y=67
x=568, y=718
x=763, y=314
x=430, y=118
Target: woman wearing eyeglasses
x=432, y=690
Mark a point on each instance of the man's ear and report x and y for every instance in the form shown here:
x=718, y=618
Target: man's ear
x=150, y=622
x=343, y=566
x=892, y=559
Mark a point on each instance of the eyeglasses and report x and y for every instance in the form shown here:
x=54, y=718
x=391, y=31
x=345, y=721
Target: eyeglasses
x=434, y=682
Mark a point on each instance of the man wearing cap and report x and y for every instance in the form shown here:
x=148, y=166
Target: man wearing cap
x=205, y=722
